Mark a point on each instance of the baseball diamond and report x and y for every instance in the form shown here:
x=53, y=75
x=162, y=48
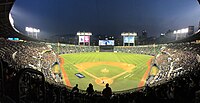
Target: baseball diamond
x=123, y=71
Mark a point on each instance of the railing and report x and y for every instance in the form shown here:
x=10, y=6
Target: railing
x=30, y=86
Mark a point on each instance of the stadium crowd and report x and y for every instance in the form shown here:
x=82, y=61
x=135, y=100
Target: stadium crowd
x=176, y=59
x=176, y=82
x=66, y=49
x=146, y=49
x=28, y=55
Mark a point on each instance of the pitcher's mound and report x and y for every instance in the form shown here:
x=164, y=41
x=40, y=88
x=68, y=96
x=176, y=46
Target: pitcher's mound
x=103, y=80
x=105, y=70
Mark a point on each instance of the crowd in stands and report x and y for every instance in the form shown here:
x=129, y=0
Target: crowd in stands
x=66, y=49
x=176, y=82
x=179, y=70
x=28, y=55
x=148, y=49
x=176, y=59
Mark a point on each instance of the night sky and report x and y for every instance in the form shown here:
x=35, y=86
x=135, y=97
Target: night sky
x=105, y=17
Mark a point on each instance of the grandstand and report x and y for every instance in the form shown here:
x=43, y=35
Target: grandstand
x=29, y=73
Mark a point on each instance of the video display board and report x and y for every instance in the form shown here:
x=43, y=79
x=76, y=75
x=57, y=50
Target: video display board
x=13, y=39
x=106, y=42
x=10, y=38
x=129, y=39
x=16, y=39
x=84, y=39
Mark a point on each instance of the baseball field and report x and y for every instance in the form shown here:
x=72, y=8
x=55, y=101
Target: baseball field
x=123, y=71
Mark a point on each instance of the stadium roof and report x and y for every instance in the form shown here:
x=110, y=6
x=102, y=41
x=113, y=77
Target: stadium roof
x=6, y=30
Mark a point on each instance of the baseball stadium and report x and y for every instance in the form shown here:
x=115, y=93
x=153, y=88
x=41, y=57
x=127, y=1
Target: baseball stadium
x=83, y=67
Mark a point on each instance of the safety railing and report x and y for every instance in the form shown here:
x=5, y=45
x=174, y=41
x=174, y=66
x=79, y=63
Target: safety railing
x=30, y=86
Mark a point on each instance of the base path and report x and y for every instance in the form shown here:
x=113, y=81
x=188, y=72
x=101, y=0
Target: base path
x=143, y=80
x=64, y=74
x=103, y=80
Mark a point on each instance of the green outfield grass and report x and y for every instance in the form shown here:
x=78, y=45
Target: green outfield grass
x=122, y=79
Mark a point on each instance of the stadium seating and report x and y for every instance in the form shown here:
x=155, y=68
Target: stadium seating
x=27, y=76
x=148, y=49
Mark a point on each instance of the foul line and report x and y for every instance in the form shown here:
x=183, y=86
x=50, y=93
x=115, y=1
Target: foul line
x=64, y=74
x=90, y=74
x=119, y=75
x=143, y=80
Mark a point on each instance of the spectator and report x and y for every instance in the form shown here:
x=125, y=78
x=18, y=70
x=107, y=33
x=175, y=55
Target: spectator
x=90, y=89
x=107, y=92
x=75, y=89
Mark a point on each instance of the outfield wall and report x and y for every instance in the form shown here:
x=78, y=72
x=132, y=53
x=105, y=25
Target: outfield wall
x=65, y=49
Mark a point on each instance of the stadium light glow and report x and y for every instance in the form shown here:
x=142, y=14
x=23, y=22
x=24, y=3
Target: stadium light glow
x=84, y=33
x=38, y=30
x=126, y=34
x=32, y=31
x=175, y=32
x=181, y=31
x=162, y=34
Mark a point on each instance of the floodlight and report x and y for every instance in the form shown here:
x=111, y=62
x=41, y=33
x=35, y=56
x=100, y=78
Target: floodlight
x=78, y=33
x=38, y=30
x=134, y=34
x=30, y=30
x=178, y=31
x=27, y=29
x=175, y=32
x=34, y=30
x=86, y=34
x=186, y=30
x=89, y=33
x=162, y=34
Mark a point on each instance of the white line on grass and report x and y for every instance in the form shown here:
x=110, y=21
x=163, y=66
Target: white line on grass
x=127, y=76
x=131, y=75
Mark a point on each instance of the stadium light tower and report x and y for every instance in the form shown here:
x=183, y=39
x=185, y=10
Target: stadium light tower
x=32, y=31
x=36, y=31
x=181, y=33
